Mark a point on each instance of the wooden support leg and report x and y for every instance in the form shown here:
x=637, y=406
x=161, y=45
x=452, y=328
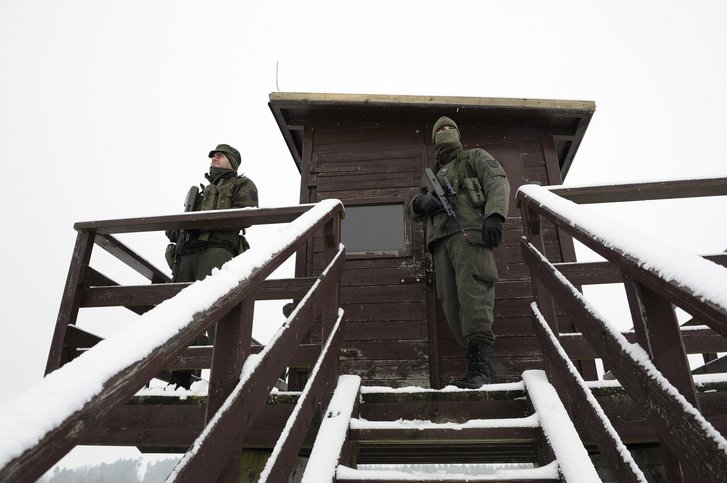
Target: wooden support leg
x=70, y=303
x=231, y=348
x=232, y=345
x=657, y=331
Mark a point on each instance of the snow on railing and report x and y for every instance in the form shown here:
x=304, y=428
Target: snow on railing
x=701, y=278
x=573, y=460
x=42, y=424
x=329, y=443
x=656, y=275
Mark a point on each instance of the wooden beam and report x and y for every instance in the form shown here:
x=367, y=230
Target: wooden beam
x=658, y=190
x=315, y=394
x=121, y=385
x=197, y=220
x=678, y=424
x=150, y=295
x=390, y=432
x=213, y=449
x=130, y=258
x=71, y=301
x=709, y=312
x=572, y=388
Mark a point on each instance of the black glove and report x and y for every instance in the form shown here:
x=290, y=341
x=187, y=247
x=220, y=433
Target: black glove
x=426, y=204
x=492, y=231
x=173, y=235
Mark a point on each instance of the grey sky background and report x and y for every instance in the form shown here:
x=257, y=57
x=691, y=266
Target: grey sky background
x=108, y=110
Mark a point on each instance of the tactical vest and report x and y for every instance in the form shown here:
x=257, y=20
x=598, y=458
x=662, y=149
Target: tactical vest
x=219, y=196
x=477, y=196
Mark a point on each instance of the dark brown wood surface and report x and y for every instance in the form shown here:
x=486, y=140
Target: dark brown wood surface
x=218, y=445
x=571, y=388
x=361, y=162
x=120, y=386
x=315, y=396
x=700, y=455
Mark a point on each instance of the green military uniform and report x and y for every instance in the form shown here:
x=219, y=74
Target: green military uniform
x=211, y=249
x=207, y=250
x=465, y=269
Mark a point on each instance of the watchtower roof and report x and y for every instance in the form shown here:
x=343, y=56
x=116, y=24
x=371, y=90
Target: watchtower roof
x=566, y=120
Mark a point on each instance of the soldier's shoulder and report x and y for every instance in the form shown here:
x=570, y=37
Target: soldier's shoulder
x=478, y=153
x=480, y=157
x=242, y=179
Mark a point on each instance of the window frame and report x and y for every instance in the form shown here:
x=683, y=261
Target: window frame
x=407, y=249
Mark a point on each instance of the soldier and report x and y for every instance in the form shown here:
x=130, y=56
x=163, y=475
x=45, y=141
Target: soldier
x=464, y=266
x=206, y=250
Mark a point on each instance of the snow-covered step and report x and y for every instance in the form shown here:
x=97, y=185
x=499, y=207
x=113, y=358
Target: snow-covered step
x=493, y=401
x=543, y=474
x=549, y=426
x=409, y=431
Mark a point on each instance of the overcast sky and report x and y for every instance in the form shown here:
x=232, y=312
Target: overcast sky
x=108, y=109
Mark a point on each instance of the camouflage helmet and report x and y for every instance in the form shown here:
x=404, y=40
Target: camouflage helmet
x=233, y=155
x=441, y=122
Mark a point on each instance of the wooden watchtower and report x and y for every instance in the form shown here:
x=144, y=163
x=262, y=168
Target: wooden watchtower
x=370, y=152
x=349, y=407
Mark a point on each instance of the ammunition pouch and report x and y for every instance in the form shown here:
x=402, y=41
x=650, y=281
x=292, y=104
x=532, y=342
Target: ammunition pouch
x=475, y=193
x=169, y=254
x=244, y=245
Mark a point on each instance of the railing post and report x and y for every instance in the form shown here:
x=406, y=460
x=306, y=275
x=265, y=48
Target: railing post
x=331, y=241
x=533, y=232
x=70, y=303
x=657, y=331
x=232, y=345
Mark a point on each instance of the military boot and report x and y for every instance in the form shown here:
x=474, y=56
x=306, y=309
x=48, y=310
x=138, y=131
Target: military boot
x=479, y=369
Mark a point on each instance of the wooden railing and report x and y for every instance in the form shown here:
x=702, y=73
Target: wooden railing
x=236, y=393
x=655, y=372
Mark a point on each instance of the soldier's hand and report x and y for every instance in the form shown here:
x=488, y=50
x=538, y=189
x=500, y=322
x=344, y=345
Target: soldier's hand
x=173, y=235
x=426, y=204
x=492, y=230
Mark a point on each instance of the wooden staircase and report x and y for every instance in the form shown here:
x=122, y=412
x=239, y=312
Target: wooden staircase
x=523, y=423
x=551, y=420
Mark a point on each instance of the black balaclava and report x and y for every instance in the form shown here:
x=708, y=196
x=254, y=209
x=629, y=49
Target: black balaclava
x=447, y=143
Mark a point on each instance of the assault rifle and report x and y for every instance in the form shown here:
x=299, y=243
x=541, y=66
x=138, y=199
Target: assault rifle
x=184, y=235
x=443, y=194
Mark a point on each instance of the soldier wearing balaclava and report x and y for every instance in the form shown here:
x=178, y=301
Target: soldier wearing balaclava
x=205, y=250
x=462, y=249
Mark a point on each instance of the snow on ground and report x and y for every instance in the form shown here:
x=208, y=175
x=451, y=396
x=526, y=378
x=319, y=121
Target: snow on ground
x=142, y=469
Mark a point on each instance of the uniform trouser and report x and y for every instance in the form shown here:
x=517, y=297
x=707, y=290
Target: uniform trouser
x=196, y=266
x=466, y=275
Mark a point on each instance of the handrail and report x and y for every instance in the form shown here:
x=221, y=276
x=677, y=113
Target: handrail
x=101, y=233
x=197, y=220
x=655, y=190
x=707, y=303
x=321, y=381
x=572, y=387
x=86, y=389
x=692, y=439
x=208, y=455
x=655, y=277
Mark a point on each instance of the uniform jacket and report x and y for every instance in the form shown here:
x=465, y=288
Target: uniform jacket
x=225, y=192
x=468, y=169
